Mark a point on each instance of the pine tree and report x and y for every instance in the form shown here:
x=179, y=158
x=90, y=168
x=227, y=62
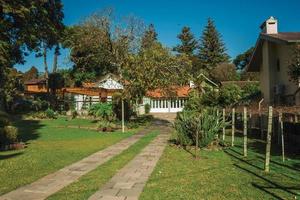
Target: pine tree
x=149, y=37
x=188, y=42
x=212, y=50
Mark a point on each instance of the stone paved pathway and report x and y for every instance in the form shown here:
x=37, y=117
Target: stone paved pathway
x=52, y=183
x=129, y=182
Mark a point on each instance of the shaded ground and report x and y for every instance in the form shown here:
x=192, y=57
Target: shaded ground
x=224, y=175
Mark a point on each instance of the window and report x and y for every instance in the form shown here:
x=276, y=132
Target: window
x=278, y=65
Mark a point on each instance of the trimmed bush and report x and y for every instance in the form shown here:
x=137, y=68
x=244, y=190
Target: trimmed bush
x=11, y=134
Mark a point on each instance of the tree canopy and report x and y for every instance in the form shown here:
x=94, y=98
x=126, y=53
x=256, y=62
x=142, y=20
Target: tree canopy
x=26, y=26
x=212, y=50
x=188, y=43
x=242, y=60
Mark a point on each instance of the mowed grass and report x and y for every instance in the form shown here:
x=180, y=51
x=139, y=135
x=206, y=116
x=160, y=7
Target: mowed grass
x=224, y=175
x=49, y=149
x=90, y=183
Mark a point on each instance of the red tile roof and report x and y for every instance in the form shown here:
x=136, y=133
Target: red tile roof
x=176, y=91
x=35, y=81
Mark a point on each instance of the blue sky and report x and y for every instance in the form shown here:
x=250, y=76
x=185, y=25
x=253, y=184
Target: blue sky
x=237, y=20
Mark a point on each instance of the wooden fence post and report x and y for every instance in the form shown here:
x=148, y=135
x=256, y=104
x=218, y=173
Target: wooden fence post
x=233, y=127
x=224, y=128
x=245, y=132
x=197, y=136
x=261, y=123
x=218, y=121
x=123, y=117
x=268, y=145
x=280, y=124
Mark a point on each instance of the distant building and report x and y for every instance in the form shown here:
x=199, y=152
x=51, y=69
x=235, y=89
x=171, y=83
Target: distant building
x=271, y=58
x=160, y=100
x=35, y=86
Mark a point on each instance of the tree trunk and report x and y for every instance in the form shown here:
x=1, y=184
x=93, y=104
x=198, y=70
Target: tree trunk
x=245, y=132
x=56, y=54
x=46, y=69
x=268, y=146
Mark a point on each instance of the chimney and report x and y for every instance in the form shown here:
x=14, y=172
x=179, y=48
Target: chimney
x=270, y=26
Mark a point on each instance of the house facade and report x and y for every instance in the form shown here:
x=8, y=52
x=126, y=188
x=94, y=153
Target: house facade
x=158, y=100
x=271, y=59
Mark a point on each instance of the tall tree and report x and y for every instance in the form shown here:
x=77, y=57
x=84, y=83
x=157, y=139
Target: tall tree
x=188, y=42
x=242, y=60
x=212, y=50
x=101, y=44
x=149, y=37
x=26, y=26
x=154, y=67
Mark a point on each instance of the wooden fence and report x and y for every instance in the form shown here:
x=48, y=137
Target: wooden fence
x=273, y=126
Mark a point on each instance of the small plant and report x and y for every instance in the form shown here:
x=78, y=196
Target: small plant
x=11, y=133
x=106, y=126
x=147, y=108
x=50, y=114
x=8, y=135
x=102, y=110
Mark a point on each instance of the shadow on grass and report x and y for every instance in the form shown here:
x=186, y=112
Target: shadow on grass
x=8, y=156
x=227, y=151
x=274, y=184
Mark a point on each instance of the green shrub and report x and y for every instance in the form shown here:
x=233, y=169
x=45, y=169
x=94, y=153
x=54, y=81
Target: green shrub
x=105, y=125
x=8, y=135
x=50, y=114
x=147, y=108
x=210, y=98
x=251, y=89
x=230, y=94
x=11, y=133
x=206, y=123
x=194, y=101
x=102, y=110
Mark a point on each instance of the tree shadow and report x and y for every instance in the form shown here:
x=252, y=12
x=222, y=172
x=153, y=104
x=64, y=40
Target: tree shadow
x=28, y=129
x=8, y=156
x=241, y=160
x=274, y=184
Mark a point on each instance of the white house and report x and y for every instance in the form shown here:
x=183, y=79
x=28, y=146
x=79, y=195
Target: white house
x=271, y=58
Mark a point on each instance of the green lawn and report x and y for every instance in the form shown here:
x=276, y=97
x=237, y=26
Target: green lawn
x=49, y=149
x=91, y=182
x=224, y=175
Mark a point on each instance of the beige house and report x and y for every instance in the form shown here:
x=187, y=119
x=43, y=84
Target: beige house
x=271, y=59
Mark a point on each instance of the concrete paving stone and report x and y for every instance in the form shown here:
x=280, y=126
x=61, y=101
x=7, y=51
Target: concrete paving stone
x=54, y=182
x=132, y=178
